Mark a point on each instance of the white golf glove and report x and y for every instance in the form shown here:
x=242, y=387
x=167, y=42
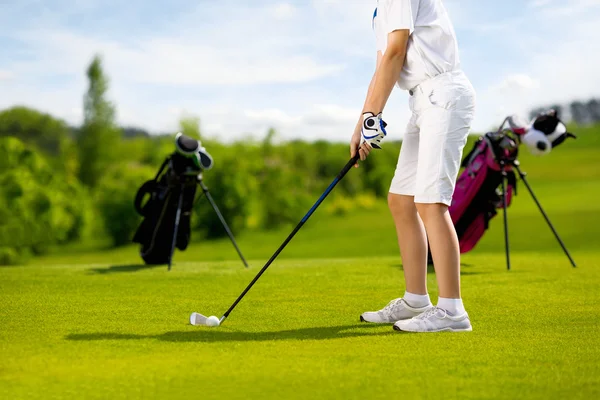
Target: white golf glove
x=373, y=129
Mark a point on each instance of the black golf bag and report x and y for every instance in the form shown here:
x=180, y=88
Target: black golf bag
x=170, y=198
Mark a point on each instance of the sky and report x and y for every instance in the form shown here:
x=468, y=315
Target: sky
x=302, y=67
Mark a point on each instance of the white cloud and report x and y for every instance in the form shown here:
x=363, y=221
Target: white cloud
x=302, y=67
x=320, y=121
x=284, y=11
x=518, y=83
x=272, y=117
x=174, y=61
x=5, y=75
x=562, y=9
x=193, y=68
x=554, y=60
x=539, y=3
x=331, y=115
x=60, y=102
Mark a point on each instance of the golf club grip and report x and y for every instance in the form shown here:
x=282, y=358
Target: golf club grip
x=348, y=166
x=338, y=178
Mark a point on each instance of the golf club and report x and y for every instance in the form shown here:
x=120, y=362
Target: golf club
x=199, y=319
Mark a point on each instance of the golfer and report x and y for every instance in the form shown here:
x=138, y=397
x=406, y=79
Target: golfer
x=417, y=51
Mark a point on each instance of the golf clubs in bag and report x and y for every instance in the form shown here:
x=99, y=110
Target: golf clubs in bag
x=166, y=213
x=489, y=179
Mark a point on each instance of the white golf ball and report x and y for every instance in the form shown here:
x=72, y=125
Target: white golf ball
x=213, y=321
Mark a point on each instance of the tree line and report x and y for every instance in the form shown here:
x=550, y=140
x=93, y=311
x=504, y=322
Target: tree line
x=582, y=113
x=61, y=184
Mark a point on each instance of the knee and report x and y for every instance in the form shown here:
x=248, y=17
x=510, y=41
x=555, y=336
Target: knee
x=428, y=212
x=401, y=206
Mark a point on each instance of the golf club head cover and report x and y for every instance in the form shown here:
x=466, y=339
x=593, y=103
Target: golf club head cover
x=545, y=133
x=373, y=129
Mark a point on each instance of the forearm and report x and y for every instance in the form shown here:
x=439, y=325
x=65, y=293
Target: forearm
x=383, y=82
x=369, y=92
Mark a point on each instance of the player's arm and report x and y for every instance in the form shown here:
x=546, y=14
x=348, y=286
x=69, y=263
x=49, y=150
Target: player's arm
x=386, y=75
x=371, y=84
x=388, y=71
x=355, y=142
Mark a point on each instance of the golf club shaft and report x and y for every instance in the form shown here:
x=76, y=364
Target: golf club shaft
x=338, y=178
x=214, y=206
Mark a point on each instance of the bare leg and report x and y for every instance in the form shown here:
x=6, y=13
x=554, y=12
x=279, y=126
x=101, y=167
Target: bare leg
x=444, y=248
x=412, y=241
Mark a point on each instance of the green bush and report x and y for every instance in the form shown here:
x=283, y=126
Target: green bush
x=35, y=128
x=10, y=256
x=256, y=184
x=39, y=207
x=115, y=196
x=233, y=185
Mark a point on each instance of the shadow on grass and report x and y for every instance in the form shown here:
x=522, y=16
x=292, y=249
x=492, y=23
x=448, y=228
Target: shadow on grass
x=205, y=334
x=123, y=268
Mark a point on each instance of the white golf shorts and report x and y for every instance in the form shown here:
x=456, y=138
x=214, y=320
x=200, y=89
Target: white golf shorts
x=442, y=110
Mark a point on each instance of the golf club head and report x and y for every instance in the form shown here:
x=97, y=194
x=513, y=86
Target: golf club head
x=197, y=319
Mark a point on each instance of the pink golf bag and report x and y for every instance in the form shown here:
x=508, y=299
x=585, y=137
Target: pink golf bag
x=489, y=180
x=477, y=195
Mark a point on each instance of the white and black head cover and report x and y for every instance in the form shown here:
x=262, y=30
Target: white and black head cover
x=193, y=149
x=545, y=133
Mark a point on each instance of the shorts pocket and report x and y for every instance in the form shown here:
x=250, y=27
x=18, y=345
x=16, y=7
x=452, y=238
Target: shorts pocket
x=442, y=99
x=453, y=98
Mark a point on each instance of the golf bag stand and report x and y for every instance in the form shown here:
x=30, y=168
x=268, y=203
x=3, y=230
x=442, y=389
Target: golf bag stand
x=490, y=175
x=214, y=206
x=176, y=229
x=523, y=176
x=167, y=213
x=506, y=165
x=504, y=206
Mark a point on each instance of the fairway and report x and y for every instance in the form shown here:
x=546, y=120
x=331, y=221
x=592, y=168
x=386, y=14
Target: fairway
x=206, y=199
x=83, y=323
x=106, y=331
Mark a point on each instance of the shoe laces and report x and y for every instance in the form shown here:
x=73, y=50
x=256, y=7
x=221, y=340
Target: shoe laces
x=431, y=312
x=392, y=305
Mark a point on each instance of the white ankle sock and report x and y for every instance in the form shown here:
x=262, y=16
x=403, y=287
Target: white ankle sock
x=417, y=300
x=453, y=306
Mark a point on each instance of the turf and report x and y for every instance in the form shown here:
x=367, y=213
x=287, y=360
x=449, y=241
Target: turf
x=114, y=332
x=97, y=324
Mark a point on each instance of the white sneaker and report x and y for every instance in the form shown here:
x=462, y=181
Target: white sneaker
x=435, y=320
x=396, y=310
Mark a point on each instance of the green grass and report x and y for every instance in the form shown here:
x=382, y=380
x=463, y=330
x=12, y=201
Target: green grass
x=122, y=332
x=97, y=324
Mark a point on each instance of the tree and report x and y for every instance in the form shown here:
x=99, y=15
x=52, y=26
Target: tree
x=539, y=110
x=593, y=108
x=99, y=136
x=41, y=131
x=190, y=126
x=35, y=128
x=579, y=113
x=39, y=207
x=134, y=132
